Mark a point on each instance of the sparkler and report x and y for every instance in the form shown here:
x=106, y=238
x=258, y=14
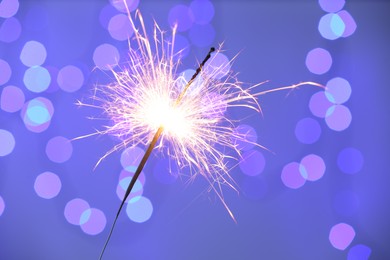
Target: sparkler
x=150, y=105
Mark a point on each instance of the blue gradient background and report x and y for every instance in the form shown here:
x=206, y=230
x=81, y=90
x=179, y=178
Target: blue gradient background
x=274, y=38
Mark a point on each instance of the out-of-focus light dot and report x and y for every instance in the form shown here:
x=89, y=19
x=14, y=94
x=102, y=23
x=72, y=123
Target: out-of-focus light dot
x=202, y=35
x=346, y=203
x=140, y=211
x=350, y=160
x=166, y=171
x=252, y=163
x=2, y=206
x=331, y=6
x=359, y=252
x=36, y=79
x=10, y=30
x=292, y=177
x=33, y=54
x=319, y=104
x=185, y=77
x=331, y=26
x=181, y=47
x=105, y=15
x=59, y=149
x=47, y=185
x=181, y=16
x=312, y=167
x=135, y=194
x=121, y=6
x=120, y=27
x=106, y=56
x=318, y=61
x=338, y=117
x=338, y=90
x=36, y=19
x=131, y=157
x=254, y=188
x=96, y=222
x=70, y=78
x=7, y=142
x=37, y=113
x=245, y=137
x=308, y=130
x=218, y=66
x=12, y=99
x=350, y=24
x=6, y=72
x=202, y=10
x=341, y=236
x=8, y=8
x=74, y=209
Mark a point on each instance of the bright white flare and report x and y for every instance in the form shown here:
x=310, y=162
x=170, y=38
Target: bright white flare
x=148, y=93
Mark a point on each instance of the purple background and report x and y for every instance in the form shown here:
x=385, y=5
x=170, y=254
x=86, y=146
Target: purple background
x=274, y=221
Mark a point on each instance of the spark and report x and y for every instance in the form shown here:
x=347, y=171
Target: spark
x=150, y=105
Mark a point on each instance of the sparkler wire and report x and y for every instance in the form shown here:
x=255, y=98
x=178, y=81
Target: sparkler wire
x=150, y=149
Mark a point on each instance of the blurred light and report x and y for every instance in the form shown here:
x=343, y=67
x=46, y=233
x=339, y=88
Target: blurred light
x=59, y=149
x=136, y=192
x=359, y=252
x=33, y=54
x=318, y=61
x=350, y=24
x=2, y=206
x=140, y=211
x=6, y=72
x=312, y=167
x=307, y=130
x=217, y=60
x=125, y=173
x=181, y=16
x=319, y=104
x=331, y=6
x=248, y=137
x=331, y=26
x=10, y=30
x=8, y=8
x=120, y=5
x=120, y=28
x=74, y=209
x=252, y=163
x=292, y=177
x=12, y=99
x=166, y=171
x=47, y=185
x=202, y=10
x=338, y=117
x=338, y=90
x=346, y=203
x=70, y=78
x=254, y=188
x=7, y=142
x=96, y=222
x=131, y=157
x=341, y=236
x=36, y=79
x=37, y=113
x=202, y=35
x=350, y=160
x=106, y=56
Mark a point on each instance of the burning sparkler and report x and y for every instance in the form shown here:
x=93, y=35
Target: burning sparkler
x=150, y=105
